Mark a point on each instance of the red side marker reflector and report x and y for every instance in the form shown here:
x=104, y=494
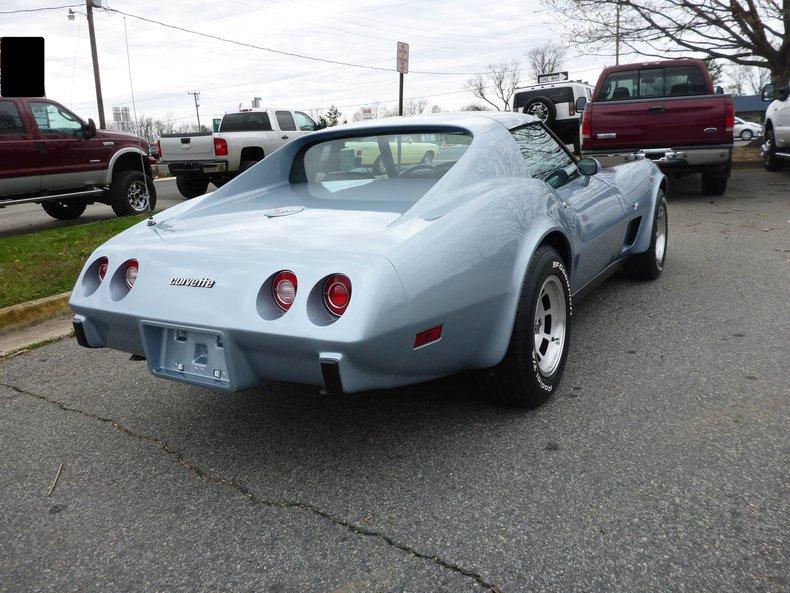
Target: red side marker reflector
x=428, y=336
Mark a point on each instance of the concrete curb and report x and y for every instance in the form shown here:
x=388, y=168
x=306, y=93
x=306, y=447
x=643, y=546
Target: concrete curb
x=24, y=314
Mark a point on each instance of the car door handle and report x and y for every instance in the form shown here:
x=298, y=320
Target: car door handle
x=657, y=109
x=284, y=137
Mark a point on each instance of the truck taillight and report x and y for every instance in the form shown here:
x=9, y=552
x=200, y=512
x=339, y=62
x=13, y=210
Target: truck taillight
x=571, y=108
x=158, y=149
x=220, y=147
x=587, y=123
x=729, y=114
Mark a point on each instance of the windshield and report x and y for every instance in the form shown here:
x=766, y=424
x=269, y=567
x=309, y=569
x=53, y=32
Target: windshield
x=400, y=167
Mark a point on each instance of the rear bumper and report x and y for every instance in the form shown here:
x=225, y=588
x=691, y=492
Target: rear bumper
x=677, y=160
x=191, y=167
x=245, y=359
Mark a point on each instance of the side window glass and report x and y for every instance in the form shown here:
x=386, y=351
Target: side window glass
x=546, y=159
x=52, y=119
x=651, y=82
x=10, y=120
x=305, y=123
x=286, y=121
x=619, y=86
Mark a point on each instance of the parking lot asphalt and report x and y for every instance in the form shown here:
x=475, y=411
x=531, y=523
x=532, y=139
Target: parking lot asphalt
x=660, y=465
x=30, y=218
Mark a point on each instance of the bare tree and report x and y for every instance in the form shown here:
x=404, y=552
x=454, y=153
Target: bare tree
x=496, y=85
x=745, y=80
x=545, y=58
x=474, y=107
x=745, y=32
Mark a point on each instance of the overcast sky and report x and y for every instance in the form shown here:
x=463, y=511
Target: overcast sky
x=444, y=36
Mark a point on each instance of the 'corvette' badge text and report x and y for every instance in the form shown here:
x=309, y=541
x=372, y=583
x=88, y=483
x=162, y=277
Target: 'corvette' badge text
x=192, y=282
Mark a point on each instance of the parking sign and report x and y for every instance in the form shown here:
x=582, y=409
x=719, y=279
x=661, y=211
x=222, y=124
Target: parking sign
x=402, y=62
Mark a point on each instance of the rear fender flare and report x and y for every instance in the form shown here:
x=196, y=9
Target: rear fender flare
x=645, y=234
x=117, y=155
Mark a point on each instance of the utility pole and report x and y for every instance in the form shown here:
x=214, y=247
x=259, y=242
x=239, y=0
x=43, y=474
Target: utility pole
x=94, y=53
x=617, y=37
x=196, y=95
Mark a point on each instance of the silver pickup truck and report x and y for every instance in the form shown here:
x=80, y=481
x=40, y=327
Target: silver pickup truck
x=245, y=137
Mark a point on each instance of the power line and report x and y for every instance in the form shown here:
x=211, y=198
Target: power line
x=40, y=9
x=278, y=51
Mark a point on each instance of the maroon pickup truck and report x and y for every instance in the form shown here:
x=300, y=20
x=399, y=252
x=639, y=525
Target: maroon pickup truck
x=50, y=156
x=666, y=111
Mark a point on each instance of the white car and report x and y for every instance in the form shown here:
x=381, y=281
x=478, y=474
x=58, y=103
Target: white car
x=776, y=149
x=245, y=137
x=555, y=104
x=746, y=130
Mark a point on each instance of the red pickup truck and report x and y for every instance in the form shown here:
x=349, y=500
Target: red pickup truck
x=667, y=111
x=50, y=156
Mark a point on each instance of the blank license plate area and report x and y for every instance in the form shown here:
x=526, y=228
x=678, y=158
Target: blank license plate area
x=187, y=354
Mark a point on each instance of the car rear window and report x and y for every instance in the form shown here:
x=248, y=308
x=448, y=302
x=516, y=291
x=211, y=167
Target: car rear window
x=673, y=81
x=247, y=121
x=386, y=167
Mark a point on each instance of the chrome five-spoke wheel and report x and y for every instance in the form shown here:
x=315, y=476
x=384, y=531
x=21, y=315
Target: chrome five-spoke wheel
x=549, y=328
x=661, y=235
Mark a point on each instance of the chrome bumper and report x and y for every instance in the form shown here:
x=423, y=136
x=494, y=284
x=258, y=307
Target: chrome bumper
x=669, y=157
x=191, y=167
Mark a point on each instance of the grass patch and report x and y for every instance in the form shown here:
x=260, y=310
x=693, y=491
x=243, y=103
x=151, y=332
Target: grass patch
x=47, y=262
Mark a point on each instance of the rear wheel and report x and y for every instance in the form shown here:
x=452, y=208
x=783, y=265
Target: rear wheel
x=246, y=165
x=191, y=187
x=532, y=367
x=772, y=162
x=132, y=192
x=427, y=158
x=65, y=209
x=649, y=264
x=714, y=184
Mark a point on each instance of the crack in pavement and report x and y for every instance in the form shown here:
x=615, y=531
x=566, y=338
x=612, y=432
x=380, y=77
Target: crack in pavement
x=257, y=500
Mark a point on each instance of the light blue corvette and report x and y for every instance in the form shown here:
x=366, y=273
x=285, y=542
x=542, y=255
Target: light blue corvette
x=312, y=267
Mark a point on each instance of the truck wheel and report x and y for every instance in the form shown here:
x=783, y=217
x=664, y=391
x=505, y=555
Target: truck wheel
x=191, y=187
x=132, y=192
x=543, y=108
x=649, y=264
x=532, y=367
x=65, y=209
x=772, y=162
x=714, y=184
x=246, y=165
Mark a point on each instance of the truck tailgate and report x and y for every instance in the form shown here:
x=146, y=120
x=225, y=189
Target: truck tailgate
x=659, y=123
x=187, y=147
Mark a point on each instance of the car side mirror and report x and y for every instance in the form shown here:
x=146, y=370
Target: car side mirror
x=784, y=93
x=89, y=129
x=587, y=167
x=581, y=103
x=719, y=90
x=768, y=93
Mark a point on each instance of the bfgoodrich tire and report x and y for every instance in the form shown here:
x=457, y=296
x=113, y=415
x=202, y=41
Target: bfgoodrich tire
x=132, y=192
x=649, y=264
x=772, y=162
x=543, y=108
x=191, y=187
x=532, y=367
x=65, y=209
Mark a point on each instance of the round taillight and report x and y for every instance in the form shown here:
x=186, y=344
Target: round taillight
x=130, y=272
x=284, y=289
x=337, y=293
x=104, y=263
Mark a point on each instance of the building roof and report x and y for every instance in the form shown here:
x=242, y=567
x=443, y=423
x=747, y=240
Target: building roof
x=748, y=103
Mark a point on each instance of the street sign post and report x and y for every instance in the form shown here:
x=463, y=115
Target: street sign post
x=402, y=66
x=553, y=77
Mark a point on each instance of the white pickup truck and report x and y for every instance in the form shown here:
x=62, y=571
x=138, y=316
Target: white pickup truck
x=245, y=137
